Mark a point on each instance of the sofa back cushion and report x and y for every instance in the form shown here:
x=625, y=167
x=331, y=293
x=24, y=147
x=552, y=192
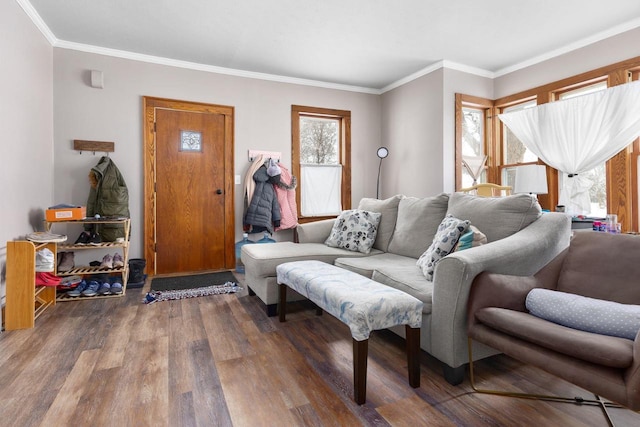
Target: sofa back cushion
x=497, y=217
x=417, y=223
x=603, y=266
x=389, y=210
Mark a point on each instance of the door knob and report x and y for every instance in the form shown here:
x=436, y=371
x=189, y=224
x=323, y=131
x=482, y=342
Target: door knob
x=218, y=191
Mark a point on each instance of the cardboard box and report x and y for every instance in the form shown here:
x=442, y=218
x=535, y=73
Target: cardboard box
x=66, y=214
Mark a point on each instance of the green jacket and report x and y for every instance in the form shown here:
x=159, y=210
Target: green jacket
x=108, y=197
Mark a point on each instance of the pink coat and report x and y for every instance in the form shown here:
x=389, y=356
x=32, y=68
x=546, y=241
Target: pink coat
x=287, y=200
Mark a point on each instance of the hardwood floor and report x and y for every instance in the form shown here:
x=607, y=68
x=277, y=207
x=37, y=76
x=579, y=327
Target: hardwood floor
x=219, y=360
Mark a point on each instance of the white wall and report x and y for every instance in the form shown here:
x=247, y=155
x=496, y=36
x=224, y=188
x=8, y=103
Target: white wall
x=262, y=121
x=26, y=122
x=418, y=127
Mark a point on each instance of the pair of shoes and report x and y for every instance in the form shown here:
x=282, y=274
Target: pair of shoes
x=105, y=288
x=65, y=261
x=69, y=282
x=114, y=261
x=91, y=289
x=87, y=238
x=74, y=293
x=116, y=288
x=47, y=279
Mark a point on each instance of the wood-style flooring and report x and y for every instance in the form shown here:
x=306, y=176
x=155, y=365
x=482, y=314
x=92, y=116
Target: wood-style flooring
x=220, y=361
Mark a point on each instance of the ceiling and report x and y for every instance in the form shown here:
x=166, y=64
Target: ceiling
x=363, y=44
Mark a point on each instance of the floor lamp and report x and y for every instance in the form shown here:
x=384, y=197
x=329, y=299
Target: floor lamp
x=382, y=153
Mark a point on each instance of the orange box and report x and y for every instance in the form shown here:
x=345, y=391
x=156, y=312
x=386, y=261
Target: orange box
x=66, y=214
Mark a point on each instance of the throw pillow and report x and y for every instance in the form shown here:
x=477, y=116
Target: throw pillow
x=449, y=231
x=584, y=313
x=389, y=210
x=472, y=238
x=354, y=230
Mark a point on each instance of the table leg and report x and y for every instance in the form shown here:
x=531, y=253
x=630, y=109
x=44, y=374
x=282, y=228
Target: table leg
x=360, y=350
x=413, y=355
x=282, y=301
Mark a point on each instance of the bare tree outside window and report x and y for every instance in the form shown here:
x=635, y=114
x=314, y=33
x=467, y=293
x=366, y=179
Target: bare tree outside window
x=318, y=141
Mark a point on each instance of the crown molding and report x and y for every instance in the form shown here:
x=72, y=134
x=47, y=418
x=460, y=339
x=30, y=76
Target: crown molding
x=37, y=20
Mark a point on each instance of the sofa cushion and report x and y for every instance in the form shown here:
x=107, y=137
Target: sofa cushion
x=445, y=240
x=262, y=260
x=600, y=349
x=417, y=223
x=470, y=239
x=403, y=274
x=584, y=313
x=389, y=210
x=354, y=230
x=497, y=217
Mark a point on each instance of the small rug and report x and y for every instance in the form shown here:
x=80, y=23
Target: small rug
x=180, y=287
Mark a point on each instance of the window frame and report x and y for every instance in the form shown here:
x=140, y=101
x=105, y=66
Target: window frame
x=344, y=152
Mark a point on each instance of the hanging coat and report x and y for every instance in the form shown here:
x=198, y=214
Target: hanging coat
x=286, y=193
x=263, y=212
x=108, y=197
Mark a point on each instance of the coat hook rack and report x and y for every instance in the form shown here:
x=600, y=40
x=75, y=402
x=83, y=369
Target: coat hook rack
x=265, y=154
x=103, y=146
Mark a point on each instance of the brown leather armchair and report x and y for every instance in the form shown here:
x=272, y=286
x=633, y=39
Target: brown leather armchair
x=596, y=265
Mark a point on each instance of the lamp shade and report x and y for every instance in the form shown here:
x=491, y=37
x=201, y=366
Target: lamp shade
x=531, y=179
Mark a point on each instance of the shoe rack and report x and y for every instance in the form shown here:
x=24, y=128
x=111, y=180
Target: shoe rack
x=88, y=270
x=25, y=301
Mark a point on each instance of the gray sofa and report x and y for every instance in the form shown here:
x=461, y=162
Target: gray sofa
x=521, y=240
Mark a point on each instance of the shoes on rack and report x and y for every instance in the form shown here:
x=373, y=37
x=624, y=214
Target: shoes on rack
x=107, y=262
x=95, y=239
x=92, y=289
x=65, y=261
x=45, y=237
x=69, y=282
x=83, y=238
x=104, y=289
x=74, y=293
x=116, y=288
x=118, y=262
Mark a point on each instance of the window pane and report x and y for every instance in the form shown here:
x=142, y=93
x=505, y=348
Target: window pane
x=319, y=142
x=472, y=132
x=514, y=149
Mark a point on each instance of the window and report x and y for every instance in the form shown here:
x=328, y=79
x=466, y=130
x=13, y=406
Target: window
x=321, y=159
x=472, y=136
x=597, y=175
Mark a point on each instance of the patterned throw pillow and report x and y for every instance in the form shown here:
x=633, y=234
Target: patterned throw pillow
x=472, y=238
x=445, y=240
x=584, y=313
x=354, y=230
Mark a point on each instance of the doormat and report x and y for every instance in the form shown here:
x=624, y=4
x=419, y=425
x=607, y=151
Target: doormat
x=199, y=285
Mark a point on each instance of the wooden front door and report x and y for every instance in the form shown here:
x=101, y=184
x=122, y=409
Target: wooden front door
x=189, y=220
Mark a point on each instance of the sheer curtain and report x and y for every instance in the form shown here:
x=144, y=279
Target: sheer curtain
x=320, y=189
x=577, y=134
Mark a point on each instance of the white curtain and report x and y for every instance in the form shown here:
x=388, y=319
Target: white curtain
x=577, y=134
x=320, y=190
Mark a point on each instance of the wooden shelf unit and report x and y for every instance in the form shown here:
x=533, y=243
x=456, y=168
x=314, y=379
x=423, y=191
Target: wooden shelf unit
x=88, y=270
x=25, y=301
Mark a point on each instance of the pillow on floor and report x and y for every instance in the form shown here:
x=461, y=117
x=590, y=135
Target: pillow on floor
x=354, y=230
x=470, y=239
x=445, y=240
x=584, y=313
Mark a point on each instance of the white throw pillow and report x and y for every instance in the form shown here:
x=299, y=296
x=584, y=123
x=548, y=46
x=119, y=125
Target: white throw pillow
x=354, y=230
x=445, y=240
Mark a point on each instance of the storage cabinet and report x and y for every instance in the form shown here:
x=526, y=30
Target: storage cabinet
x=25, y=301
x=122, y=246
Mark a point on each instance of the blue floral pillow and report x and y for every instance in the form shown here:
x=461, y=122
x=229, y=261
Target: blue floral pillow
x=354, y=230
x=444, y=242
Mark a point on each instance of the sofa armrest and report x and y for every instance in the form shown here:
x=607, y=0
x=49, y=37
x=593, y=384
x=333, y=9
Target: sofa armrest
x=314, y=232
x=521, y=254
